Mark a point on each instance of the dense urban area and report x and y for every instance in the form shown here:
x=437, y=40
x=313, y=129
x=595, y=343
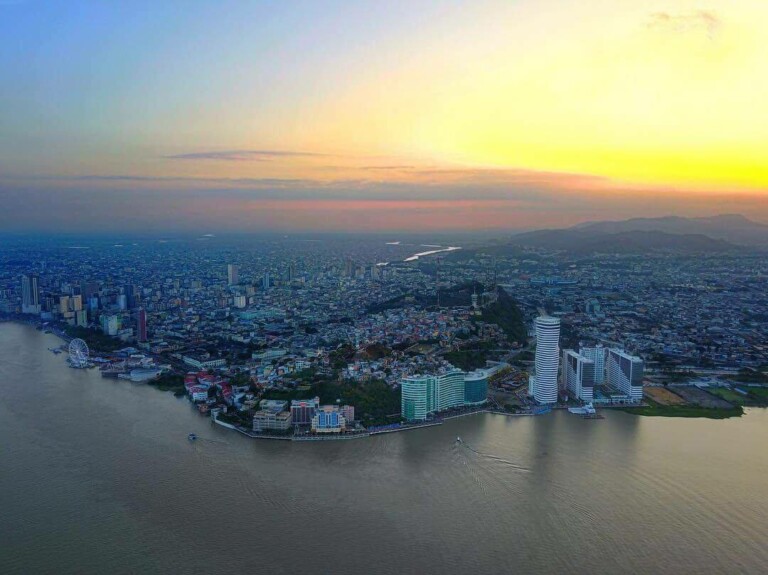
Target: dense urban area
x=340, y=336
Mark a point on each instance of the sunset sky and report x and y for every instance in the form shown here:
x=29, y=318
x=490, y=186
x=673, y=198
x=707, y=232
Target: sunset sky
x=399, y=115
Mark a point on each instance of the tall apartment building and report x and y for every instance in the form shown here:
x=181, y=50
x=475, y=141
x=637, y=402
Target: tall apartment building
x=417, y=397
x=547, y=359
x=424, y=395
x=578, y=375
x=450, y=390
x=625, y=372
x=596, y=354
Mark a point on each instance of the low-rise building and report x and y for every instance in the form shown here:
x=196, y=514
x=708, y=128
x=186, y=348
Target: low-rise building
x=267, y=420
x=328, y=419
x=201, y=363
x=273, y=405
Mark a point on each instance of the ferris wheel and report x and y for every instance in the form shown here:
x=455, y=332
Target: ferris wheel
x=78, y=353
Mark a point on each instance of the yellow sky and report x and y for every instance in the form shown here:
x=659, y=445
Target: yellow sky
x=665, y=93
x=614, y=107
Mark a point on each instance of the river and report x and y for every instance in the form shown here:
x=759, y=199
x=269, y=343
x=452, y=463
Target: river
x=98, y=476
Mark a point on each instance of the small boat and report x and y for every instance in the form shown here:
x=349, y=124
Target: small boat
x=458, y=440
x=192, y=437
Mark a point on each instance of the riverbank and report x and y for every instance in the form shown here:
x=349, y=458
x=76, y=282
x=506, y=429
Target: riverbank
x=327, y=437
x=395, y=428
x=690, y=411
x=172, y=383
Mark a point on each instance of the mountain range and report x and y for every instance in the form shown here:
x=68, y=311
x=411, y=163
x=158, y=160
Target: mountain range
x=723, y=233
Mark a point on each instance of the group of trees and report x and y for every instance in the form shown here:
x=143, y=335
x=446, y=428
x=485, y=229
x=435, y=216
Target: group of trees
x=505, y=313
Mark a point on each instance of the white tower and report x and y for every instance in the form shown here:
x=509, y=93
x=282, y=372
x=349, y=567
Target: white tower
x=547, y=359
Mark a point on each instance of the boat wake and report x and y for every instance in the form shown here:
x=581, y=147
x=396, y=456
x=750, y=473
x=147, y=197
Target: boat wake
x=511, y=464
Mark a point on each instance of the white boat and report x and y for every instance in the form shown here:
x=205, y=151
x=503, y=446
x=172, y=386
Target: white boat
x=586, y=410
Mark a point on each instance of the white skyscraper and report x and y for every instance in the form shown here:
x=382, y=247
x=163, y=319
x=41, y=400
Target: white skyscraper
x=596, y=354
x=625, y=372
x=578, y=375
x=232, y=275
x=547, y=359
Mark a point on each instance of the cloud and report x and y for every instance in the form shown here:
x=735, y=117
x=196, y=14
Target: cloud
x=699, y=21
x=404, y=167
x=243, y=155
x=402, y=181
x=521, y=200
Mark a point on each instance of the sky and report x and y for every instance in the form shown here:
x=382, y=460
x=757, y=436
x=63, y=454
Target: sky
x=413, y=115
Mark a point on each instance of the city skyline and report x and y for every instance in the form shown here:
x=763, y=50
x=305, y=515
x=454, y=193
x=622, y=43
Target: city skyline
x=326, y=116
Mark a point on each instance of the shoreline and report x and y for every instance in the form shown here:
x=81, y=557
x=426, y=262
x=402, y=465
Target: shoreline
x=685, y=412
x=364, y=433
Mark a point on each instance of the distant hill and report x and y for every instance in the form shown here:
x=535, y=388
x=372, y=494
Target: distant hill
x=732, y=228
x=716, y=234
x=587, y=241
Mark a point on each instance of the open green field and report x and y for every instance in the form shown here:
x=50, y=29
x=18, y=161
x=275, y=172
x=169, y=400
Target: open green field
x=655, y=409
x=760, y=393
x=758, y=396
x=729, y=395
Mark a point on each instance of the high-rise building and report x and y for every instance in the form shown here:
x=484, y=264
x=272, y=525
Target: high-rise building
x=349, y=268
x=547, y=359
x=578, y=375
x=77, y=302
x=625, y=373
x=303, y=410
x=110, y=324
x=130, y=296
x=30, y=294
x=81, y=318
x=90, y=289
x=450, y=390
x=63, y=304
x=417, y=397
x=424, y=395
x=476, y=387
x=266, y=282
x=141, y=325
x=596, y=354
x=233, y=277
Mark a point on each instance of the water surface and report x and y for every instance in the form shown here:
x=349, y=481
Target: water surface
x=97, y=476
